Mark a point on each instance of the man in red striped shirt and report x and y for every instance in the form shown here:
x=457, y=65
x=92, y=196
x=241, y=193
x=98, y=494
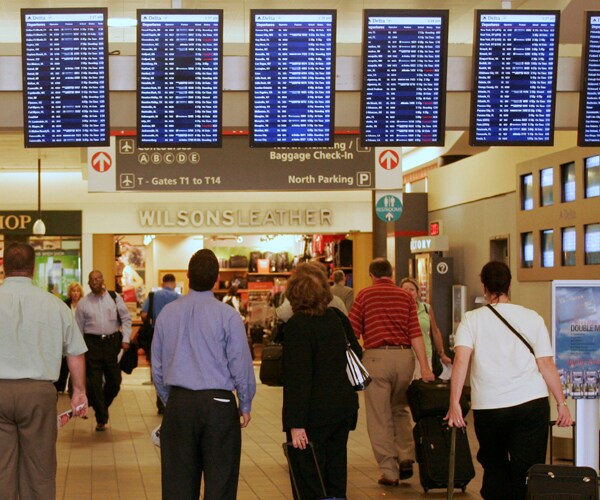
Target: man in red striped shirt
x=385, y=316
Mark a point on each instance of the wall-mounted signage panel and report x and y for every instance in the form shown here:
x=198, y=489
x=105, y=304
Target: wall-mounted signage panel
x=292, y=76
x=234, y=167
x=179, y=74
x=404, y=77
x=514, y=78
x=65, y=77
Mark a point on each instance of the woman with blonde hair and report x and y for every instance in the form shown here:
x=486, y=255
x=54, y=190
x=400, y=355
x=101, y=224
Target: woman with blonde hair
x=319, y=404
x=429, y=327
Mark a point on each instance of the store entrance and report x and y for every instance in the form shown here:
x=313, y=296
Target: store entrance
x=253, y=270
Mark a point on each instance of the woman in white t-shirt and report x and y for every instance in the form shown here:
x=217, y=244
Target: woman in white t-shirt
x=509, y=386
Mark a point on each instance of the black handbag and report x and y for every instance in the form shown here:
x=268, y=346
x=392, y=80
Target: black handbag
x=146, y=331
x=129, y=359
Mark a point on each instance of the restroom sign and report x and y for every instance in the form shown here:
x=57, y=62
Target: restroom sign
x=388, y=205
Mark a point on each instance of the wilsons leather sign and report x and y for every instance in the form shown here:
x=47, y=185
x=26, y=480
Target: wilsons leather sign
x=229, y=218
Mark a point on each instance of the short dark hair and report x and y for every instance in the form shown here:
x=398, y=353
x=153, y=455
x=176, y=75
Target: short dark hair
x=496, y=277
x=308, y=289
x=169, y=278
x=19, y=259
x=338, y=276
x=380, y=268
x=203, y=270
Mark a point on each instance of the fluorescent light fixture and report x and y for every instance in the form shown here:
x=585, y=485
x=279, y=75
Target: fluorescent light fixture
x=121, y=22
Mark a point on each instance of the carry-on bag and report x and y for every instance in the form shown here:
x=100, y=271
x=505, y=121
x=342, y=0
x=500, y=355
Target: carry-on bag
x=567, y=482
x=433, y=445
x=564, y=482
x=271, y=365
x=287, y=449
x=432, y=399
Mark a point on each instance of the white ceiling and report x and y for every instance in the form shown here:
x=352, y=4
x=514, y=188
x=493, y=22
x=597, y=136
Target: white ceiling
x=14, y=156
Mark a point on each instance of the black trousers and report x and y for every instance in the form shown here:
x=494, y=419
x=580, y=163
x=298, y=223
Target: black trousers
x=61, y=383
x=200, y=436
x=511, y=440
x=103, y=373
x=330, y=443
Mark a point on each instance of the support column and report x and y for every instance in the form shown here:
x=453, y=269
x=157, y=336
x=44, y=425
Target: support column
x=104, y=258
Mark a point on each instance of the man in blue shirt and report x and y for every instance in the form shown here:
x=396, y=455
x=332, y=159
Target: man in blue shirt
x=161, y=297
x=200, y=355
x=153, y=305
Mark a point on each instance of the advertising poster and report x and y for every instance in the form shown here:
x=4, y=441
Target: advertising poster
x=55, y=270
x=576, y=329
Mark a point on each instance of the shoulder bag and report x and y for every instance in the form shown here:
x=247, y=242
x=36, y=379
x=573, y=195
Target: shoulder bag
x=510, y=327
x=357, y=374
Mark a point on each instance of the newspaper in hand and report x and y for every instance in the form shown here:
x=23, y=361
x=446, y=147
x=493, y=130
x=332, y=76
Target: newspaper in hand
x=65, y=416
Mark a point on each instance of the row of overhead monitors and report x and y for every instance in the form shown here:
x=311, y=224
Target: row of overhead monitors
x=292, y=78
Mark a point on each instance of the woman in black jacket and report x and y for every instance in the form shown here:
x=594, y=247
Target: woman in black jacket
x=319, y=404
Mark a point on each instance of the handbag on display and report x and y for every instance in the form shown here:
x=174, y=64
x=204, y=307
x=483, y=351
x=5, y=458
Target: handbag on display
x=357, y=374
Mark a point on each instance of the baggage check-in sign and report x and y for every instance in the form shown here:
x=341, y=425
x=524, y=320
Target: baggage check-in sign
x=234, y=167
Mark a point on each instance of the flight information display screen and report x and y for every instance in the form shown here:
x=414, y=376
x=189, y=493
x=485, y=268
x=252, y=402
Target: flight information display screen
x=179, y=73
x=514, y=78
x=404, y=77
x=589, y=102
x=292, y=72
x=65, y=77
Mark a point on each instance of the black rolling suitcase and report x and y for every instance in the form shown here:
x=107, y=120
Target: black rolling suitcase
x=432, y=399
x=564, y=482
x=434, y=444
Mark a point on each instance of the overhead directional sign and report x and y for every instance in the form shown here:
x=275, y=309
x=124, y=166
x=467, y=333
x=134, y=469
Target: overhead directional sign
x=388, y=205
x=235, y=167
x=388, y=168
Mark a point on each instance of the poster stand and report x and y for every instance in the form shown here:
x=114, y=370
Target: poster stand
x=576, y=341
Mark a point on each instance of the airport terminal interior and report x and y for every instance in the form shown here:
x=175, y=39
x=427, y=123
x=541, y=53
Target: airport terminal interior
x=138, y=210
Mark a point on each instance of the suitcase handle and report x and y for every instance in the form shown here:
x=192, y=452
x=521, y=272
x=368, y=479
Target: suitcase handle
x=451, y=465
x=551, y=425
x=310, y=446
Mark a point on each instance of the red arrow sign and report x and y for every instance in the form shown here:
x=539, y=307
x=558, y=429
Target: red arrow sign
x=101, y=161
x=388, y=159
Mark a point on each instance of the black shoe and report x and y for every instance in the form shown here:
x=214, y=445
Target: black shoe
x=101, y=427
x=406, y=469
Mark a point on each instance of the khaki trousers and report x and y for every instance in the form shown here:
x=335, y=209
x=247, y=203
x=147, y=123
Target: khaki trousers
x=27, y=440
x=389, y=423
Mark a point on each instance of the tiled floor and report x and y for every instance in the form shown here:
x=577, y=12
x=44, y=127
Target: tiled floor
x=122, y=463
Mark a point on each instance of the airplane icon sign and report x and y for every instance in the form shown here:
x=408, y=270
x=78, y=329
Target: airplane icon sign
x=127, y=181
x=126, y=146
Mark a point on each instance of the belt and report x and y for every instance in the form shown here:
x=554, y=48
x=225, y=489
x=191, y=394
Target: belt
x=102, y=336
x=400, y=346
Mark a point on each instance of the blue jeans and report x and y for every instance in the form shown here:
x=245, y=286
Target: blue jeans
x=511, y=440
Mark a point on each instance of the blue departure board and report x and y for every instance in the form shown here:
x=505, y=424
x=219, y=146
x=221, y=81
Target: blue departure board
x=292, y=71
x=589, y=102
x=514, y=78
x=65, y=77
x=179, y=74
x=404, y=77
